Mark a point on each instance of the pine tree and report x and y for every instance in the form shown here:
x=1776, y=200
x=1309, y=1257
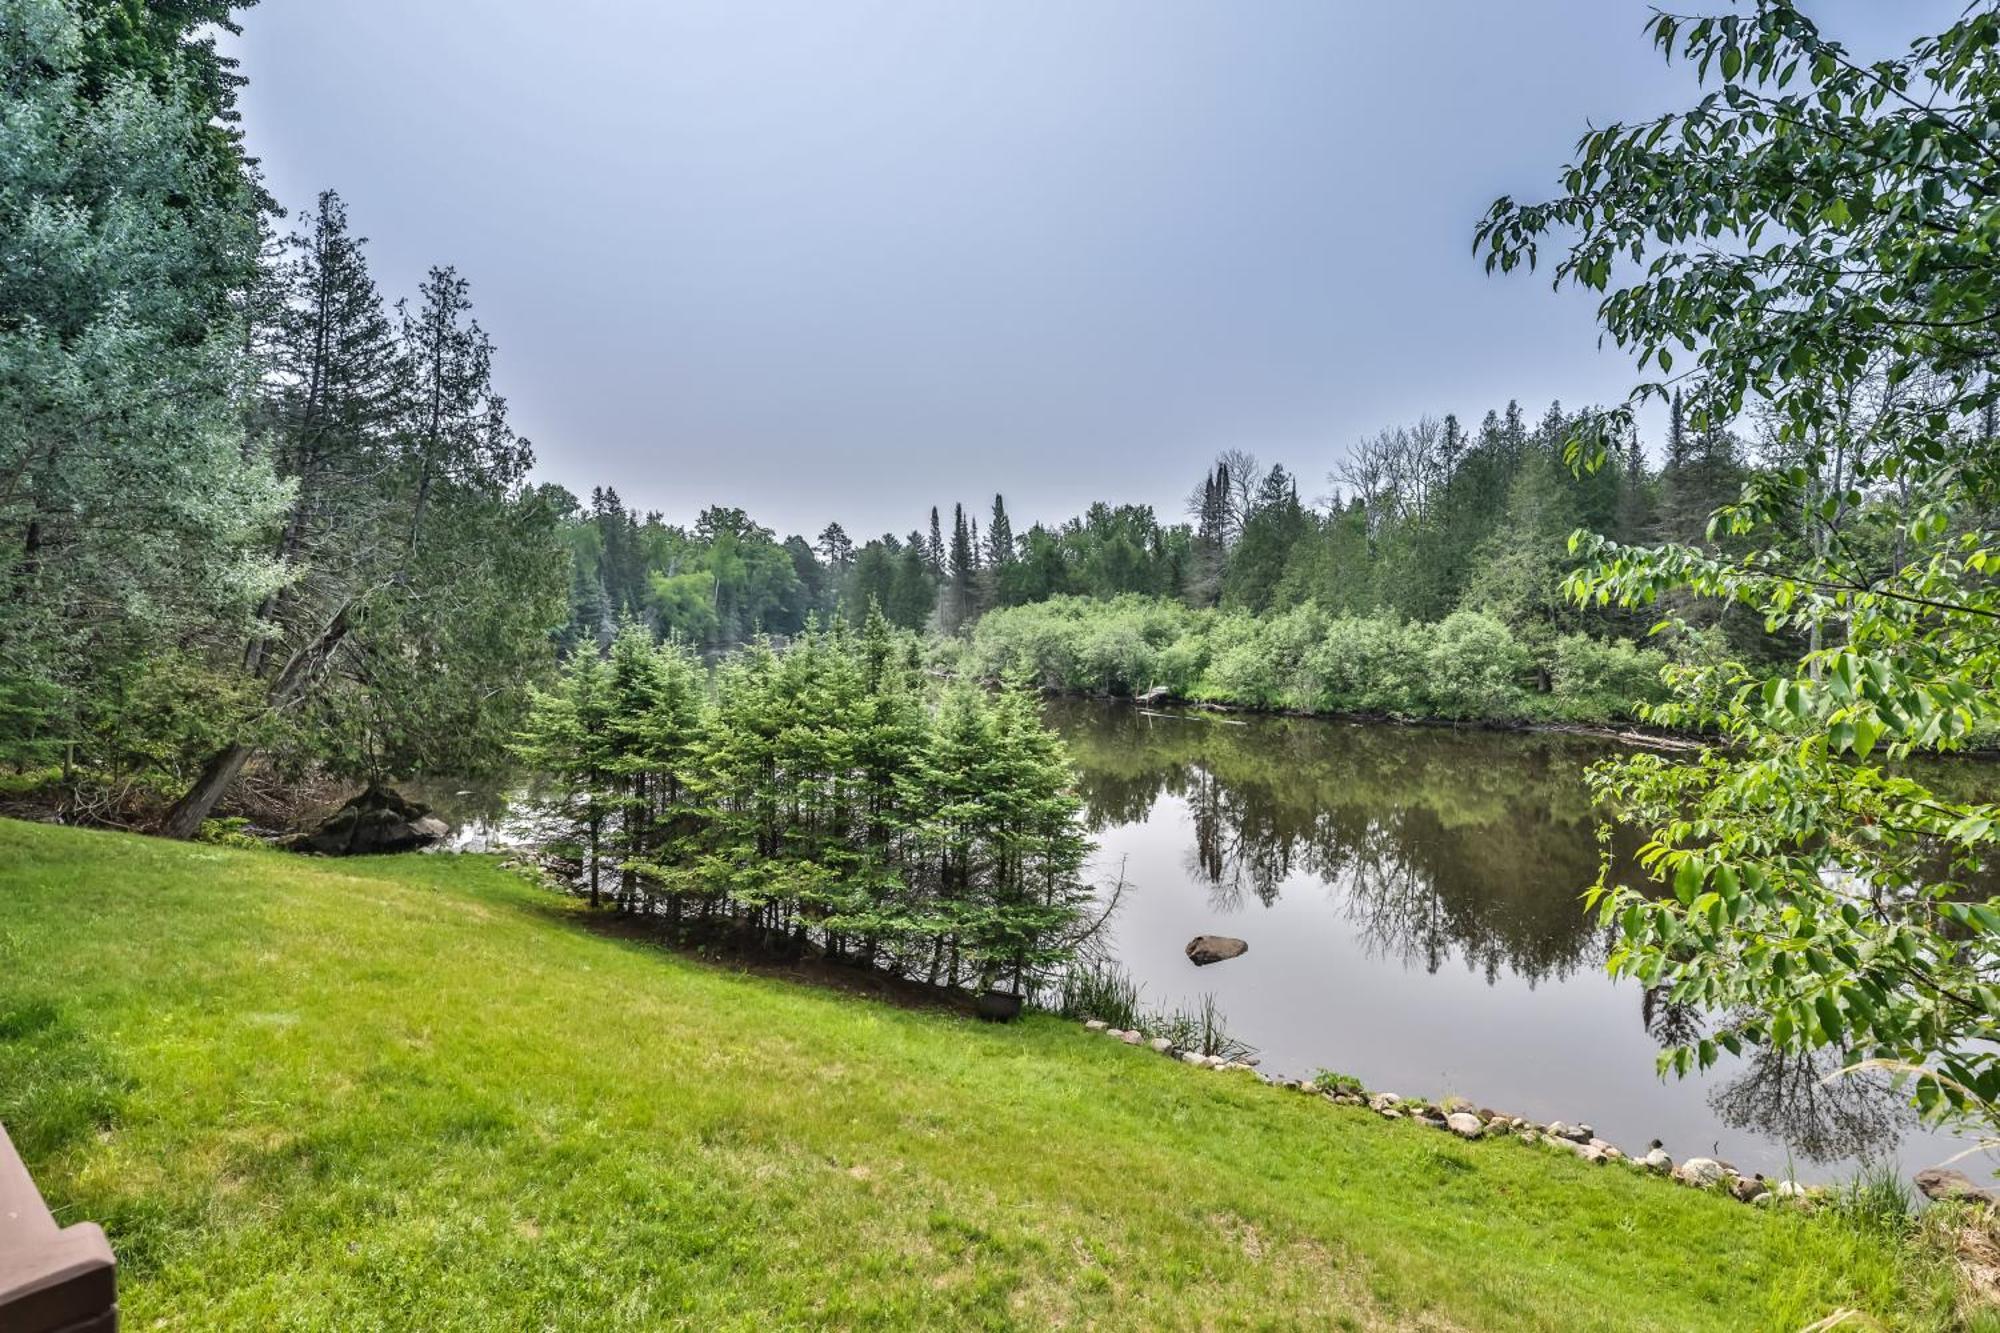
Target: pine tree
x=999, y=537
x=1204, y=583
x=339, y=381
x=913, y=587
x=934, y=549
x=958, y=606
x=452, y=583
x=835, y=548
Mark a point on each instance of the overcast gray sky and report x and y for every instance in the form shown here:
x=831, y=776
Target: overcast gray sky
x=850, y=258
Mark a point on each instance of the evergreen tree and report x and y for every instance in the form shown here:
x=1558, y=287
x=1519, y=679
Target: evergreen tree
x=913, y=588
x=566, y=735
x=135, y=507
x=835, y=548
x=1275, y=524
x=339, y=385
x=454, y=585
x=958, y=606
x=999, y=538
x=1211, y=509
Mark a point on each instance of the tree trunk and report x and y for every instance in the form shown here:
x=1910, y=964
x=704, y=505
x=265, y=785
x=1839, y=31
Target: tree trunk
x=217, y=776
x=594, y=821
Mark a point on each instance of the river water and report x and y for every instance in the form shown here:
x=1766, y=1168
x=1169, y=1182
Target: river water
x=1410, y=899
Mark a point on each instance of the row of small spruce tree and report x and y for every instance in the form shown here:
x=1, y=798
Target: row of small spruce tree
x=829, y=796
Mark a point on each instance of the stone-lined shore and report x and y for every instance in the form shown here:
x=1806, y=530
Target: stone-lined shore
x=1456, y=1115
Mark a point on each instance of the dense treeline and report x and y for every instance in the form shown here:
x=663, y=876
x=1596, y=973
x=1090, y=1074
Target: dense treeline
x=826, y=796
x=1429, y=582
x=249, y=508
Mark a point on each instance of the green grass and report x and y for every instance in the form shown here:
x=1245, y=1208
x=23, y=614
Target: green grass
x=419, y=1093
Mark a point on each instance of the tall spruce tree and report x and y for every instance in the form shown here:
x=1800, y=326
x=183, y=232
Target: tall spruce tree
x=959, y=604
x=338, y=385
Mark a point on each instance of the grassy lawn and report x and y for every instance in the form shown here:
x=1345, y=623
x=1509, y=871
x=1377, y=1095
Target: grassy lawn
x=417, y=1093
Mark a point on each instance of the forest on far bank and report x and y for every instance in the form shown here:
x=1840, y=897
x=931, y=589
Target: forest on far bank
x=1422, y=576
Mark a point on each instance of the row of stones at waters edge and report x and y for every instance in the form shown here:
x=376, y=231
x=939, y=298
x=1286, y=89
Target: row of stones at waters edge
x=1134, y=1037
x=1458, y=1116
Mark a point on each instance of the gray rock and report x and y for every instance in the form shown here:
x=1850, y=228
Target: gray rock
x=1382, y=1101
x=1558, y=1129
x=1700, y=1172
x=1465, y=1124
x=1205, y=949
x=1194, y=1058
x=378, y=820
x=1131, y=1037
x=1161, y=1044
x=1095, y=1025
x=1451, y=1105
x=1941, y=1182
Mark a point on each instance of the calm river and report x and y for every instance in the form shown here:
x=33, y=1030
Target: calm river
x=1409, y=896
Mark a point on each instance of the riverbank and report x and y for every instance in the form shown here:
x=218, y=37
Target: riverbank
x=416, y=1092
x=1198, y=709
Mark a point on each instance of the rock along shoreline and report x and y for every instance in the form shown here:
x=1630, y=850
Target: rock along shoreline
x=1460, y=1117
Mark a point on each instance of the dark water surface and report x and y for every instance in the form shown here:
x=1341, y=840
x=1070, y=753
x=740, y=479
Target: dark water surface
x=1410, y=898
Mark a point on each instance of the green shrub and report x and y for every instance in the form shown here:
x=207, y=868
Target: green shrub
x=1475, y=668
x=1369, y=664
x=1593, y=681
x=228, y=833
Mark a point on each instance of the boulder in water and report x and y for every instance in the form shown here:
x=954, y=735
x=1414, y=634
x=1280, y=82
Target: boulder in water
x=1939, y=1182
x=378, y=820
x=1205, y=949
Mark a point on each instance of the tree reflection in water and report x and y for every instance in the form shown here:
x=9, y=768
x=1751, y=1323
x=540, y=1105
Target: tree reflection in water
x=1440, y=844
x=1802, y=1101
